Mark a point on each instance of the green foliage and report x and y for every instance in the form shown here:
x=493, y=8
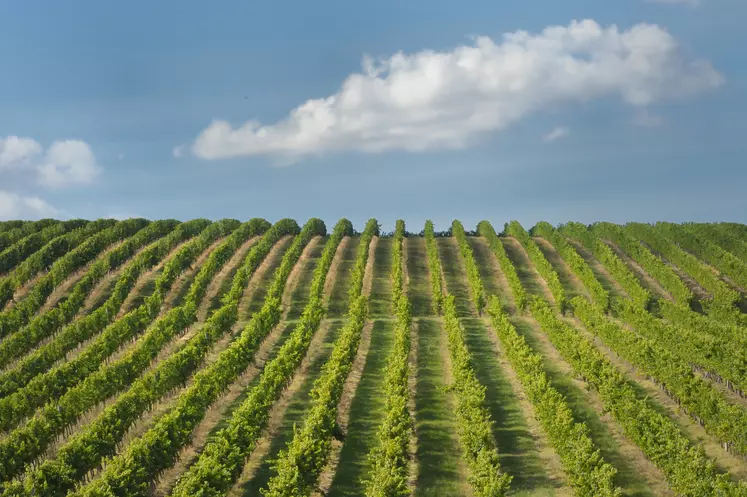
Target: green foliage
x=84, y=328
x=665, y=353
x=223, y=458
x=473, y=273
x=653, y=265
x=130, y=472
x=687, y=470
x=47, y=323
x=578, y=265
x=99, y=439
x=724, y=298
x=13, y=255
x=724, y=234
x=543, y=266
x=11, y=320
x=435, y=266
x=614, y=265
x=588, y=473
x=389, y=459
x=56, y=381
x=474, y=423
x=691, y=238
x=19, y=231
x=485, y=229
x=42, y=259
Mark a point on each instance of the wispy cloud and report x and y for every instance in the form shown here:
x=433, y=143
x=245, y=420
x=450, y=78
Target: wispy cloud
x=435, y=100
x=556, y=134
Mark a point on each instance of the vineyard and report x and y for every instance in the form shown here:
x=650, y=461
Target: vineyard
x=232, y=358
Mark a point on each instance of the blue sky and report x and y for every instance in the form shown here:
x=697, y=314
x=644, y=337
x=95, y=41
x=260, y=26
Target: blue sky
x=94, y=99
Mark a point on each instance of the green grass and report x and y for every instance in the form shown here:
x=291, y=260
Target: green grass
x=146, y=290
x=300, y=294
x=419, y=286
x=257, y=299
x=285, y=334
x=366, y=413
x=556, y=261
x=522, y=264
x=519, y=454
x=338, y=300
x=483, y=254
x=438, y=453
x=627, y=477
x=295, y=413
x=455, y=275
x=604, y=277
x=103, y=296
x=381, y=287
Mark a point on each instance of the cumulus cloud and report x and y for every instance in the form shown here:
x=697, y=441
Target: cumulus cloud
x=64, y=163
x=18, y=152
x=434, y=100
x=14, y=206
x=69, y=162
x=556, y=134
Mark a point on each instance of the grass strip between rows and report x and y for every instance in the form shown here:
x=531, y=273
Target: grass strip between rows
x=131, y=472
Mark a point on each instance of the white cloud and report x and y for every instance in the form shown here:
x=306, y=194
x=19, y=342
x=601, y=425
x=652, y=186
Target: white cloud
x=65, y=162
x=436, y=100
x=18, y=152
x=556, y=134
x=68, y=162
x=14, y=206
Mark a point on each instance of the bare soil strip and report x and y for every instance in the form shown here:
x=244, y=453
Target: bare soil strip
x=181, y=285
x=350, y=388
x=493, y=278
x=735, y=464
x=455, y=276
x=290, y=410
x=604, y=277
x=646, y=279
x=221, y=278
x=334, y=269
x=571, y=282
x=66, y=286
x=24, y=290
x=525, y=450
x=530, y=278
x=418, y=279
x=220, y=412
x=145, y=280
x=261, y=278
x=636, y=475
x=343, y=412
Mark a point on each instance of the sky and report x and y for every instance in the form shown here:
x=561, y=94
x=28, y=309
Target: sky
x=536, y=110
